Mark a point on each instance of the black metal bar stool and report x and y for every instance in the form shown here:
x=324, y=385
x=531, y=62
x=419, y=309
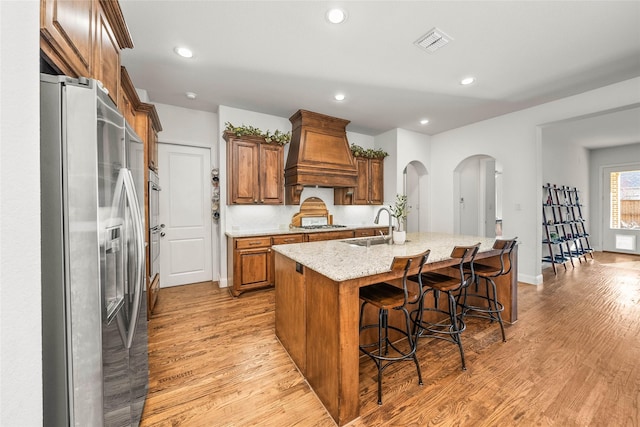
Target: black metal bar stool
x=385, y=297
x=491, y=308
x=446, y=324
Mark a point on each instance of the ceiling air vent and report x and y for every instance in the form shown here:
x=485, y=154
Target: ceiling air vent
x=433, y=40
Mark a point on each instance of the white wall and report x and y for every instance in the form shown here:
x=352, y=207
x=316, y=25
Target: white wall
x=514, y=140
x=599, y=159
x=564, y=163
x=20, y=318
x=388, y=141
x=188, y=127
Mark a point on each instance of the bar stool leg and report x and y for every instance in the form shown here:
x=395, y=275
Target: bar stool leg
x=494, y=301
x=457, y=325
x=413, y=342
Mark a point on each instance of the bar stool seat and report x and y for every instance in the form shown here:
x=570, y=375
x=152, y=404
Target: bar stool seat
x=491, y=308
x=385, y=296
x=445, y=323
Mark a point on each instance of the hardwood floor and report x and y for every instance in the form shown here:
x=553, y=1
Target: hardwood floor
x=572, y=359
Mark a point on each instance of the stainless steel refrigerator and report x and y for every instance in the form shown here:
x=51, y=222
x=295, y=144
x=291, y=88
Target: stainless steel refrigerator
x=94, y=329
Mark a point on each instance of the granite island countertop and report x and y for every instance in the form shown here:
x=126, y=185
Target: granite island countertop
x=340, y=260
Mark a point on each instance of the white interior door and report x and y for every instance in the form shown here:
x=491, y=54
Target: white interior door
x=185, y=211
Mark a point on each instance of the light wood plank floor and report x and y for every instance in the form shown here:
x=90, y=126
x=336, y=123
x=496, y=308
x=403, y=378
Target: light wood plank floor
x=572, y=359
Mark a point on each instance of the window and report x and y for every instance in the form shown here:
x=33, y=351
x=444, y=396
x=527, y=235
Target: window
x=625, y=199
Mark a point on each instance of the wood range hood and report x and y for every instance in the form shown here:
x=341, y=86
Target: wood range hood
x=319, y=155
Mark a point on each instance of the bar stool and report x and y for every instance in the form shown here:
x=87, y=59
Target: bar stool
x=491, y=308
x=385, y=296
x=450, y=327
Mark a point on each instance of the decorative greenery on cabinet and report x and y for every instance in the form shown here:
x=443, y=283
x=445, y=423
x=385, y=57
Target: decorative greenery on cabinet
x=369, y=153
x=277, y=137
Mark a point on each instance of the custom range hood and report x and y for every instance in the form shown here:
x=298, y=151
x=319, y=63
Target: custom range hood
x=319, y=155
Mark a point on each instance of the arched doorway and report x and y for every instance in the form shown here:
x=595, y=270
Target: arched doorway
x=477, y=190
x=415, y=186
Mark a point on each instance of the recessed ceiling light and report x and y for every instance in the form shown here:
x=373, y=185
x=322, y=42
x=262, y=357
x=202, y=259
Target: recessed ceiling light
x=424, y=121
x=184, y=52
x=467, y=81
x=191, y=95
x=339, y=97
x=336, y=16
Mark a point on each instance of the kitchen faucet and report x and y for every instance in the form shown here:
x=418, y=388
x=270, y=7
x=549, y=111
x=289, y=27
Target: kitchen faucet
x=375, y=221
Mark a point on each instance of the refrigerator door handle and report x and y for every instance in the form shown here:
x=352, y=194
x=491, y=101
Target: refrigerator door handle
x=132, y=201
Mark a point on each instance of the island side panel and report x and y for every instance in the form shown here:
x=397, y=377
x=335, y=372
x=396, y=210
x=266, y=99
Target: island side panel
x=290, y=310
x=332, y=366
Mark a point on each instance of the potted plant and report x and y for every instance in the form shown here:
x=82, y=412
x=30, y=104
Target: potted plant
x=400, y=211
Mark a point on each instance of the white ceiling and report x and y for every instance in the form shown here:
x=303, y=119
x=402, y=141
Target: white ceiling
x=277, y=57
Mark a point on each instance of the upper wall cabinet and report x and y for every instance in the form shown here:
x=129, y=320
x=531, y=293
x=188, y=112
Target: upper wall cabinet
x=66, y=35
x=369, y=187
x=129, y=100
x=255, y=171
x=84, y=39
x=148, y=126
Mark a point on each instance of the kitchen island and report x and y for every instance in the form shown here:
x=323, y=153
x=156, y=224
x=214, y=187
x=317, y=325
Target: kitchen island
x=317, y=304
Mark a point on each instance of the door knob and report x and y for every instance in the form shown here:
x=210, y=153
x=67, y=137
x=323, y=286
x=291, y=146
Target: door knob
x=162, y=234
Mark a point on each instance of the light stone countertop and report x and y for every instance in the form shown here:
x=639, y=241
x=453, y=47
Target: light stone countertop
x=339, y=260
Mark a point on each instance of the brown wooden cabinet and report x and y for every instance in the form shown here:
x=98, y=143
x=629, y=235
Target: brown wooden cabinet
x=253, y=261
x=106, y=56
x=84, y=39
x=129, y=101
x=255, y=171
x=328, y=235
x=66, y=35
x=370, y=232
x=252, y=264
x=369, y=187
x=147, y=126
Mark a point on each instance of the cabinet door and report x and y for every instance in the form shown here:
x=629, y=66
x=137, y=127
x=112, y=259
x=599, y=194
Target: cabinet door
x=66, y=29
x=107, y=56
x=128, y=99
x=361, y=193
x=376, y=181
x=271, y=174
x=243, y=173
x=153, y=148
x=253, y=269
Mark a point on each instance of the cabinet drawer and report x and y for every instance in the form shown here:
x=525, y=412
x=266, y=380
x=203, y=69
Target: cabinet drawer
x=253, y=242
x=290, y=238
x=370, y=232
x=329, y=235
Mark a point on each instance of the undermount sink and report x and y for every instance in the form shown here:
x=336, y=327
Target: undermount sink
x=368, y=241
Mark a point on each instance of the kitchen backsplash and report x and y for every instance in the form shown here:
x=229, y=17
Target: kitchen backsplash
x=270, y=217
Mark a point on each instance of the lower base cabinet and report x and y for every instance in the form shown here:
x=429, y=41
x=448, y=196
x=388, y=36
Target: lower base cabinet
x=252, y=262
